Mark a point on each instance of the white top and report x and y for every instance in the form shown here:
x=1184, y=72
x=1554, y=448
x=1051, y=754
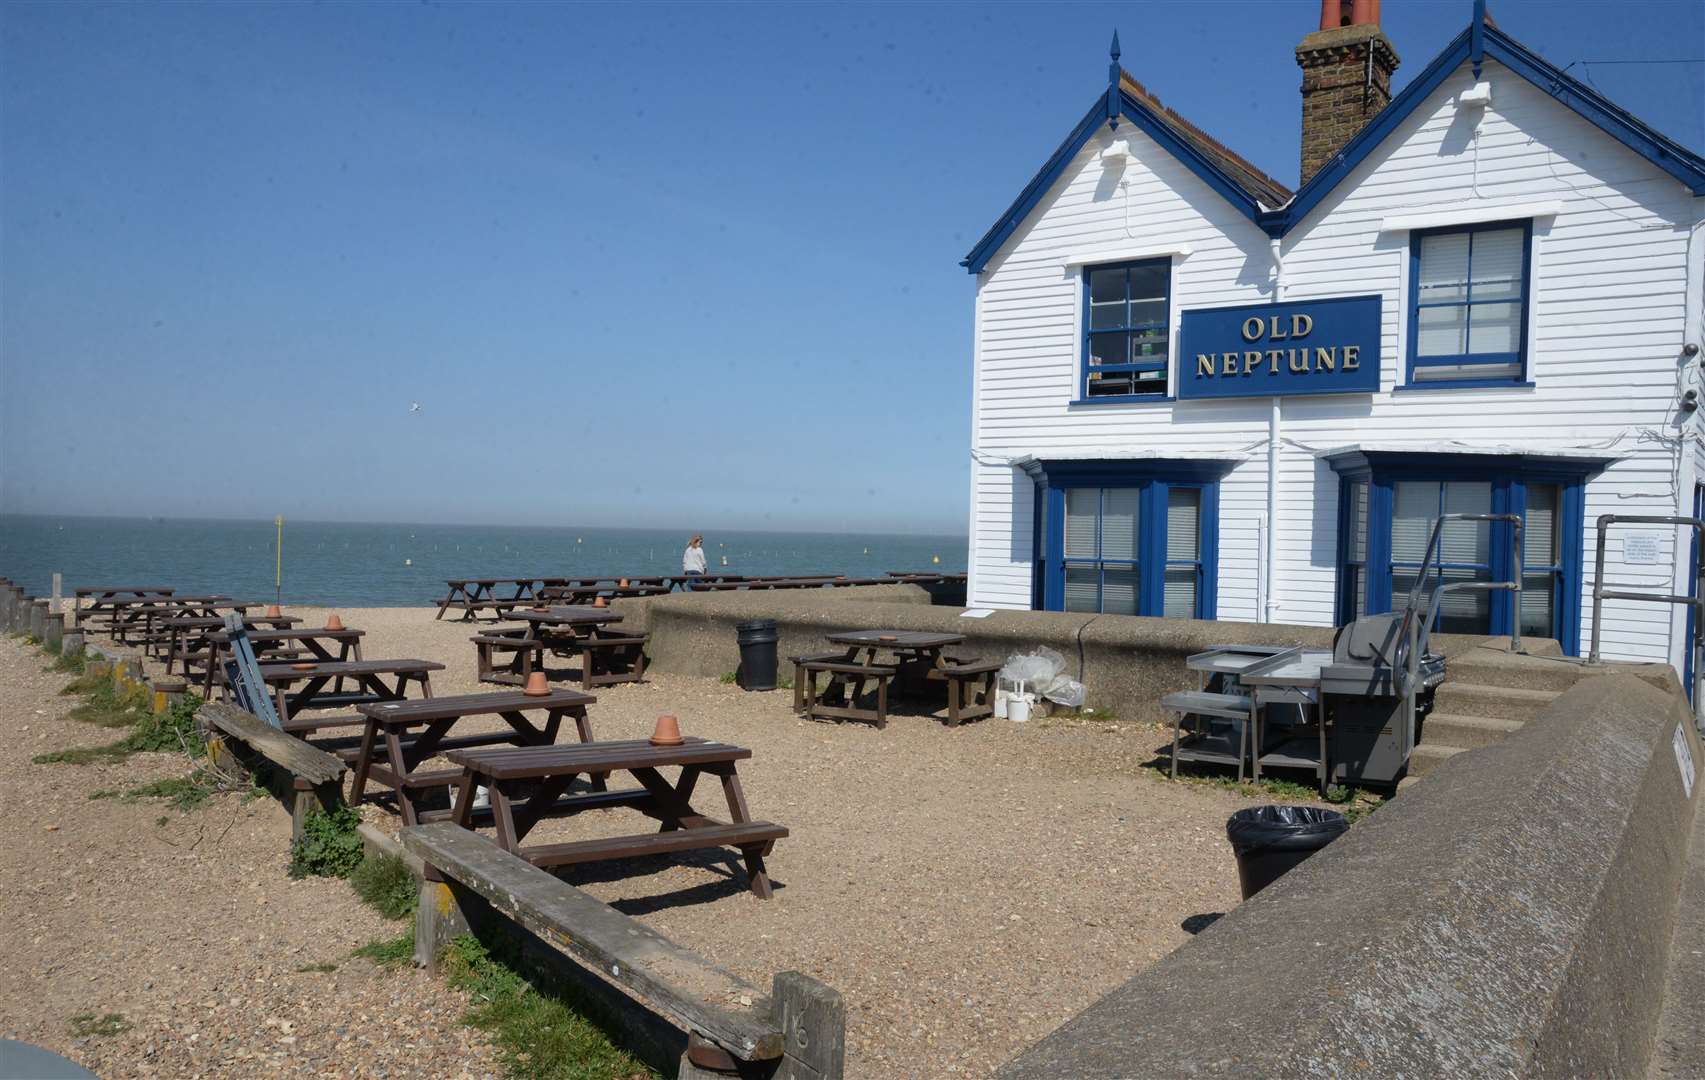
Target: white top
x=692, y=559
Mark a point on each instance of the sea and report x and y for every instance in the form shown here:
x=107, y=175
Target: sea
x=379, y=565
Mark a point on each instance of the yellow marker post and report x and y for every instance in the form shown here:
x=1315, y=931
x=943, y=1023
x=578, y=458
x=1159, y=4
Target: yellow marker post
x=278, y=569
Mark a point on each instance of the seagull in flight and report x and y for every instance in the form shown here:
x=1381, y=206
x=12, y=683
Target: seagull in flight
x=414, y=406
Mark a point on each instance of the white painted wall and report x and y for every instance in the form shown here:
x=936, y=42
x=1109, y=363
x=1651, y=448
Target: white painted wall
x=1608, y=316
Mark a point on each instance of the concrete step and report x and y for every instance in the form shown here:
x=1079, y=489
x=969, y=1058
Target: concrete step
x=1500, y=702
x=1466, y=732
x=1429, y=756
x=1518, y=673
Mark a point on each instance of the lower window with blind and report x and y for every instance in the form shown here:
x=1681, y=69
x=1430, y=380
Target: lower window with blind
x=1119, y=542
x=1386, y=518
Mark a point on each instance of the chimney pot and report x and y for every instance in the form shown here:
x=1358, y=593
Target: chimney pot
x=1364, y=13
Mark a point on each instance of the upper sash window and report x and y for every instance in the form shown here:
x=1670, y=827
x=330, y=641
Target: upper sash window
x=1468, y=304
x=1128, y=329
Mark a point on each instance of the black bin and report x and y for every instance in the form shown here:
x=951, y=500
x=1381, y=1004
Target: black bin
x=1269, y=840
x=757, y=654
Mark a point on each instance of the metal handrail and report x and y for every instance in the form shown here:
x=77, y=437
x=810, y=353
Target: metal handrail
x=1415, y=634
x=1696, y=601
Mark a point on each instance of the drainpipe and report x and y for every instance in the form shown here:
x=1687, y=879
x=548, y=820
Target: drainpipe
x=1275, y=429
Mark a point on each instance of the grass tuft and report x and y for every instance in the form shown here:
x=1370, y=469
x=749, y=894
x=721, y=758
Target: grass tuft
x=539, y=1034
x=386, y=884
x=184, y=792
x=389, y=952
x=316, y=969
x=84, y=1025
x=330, y=846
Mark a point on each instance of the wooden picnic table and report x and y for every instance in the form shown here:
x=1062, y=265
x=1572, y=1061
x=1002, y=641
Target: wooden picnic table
x=105, y=600
x=580, y=594
x=392, y=749
x=528, y=785
x=579, y=630
x=369, y=675
x=192, y=631
x=474, y=595
x=918, y=657
x=318, y=642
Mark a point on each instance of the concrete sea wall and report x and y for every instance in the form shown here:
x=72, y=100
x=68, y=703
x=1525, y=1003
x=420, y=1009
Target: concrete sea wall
x=1126, y=663
x=1512, y=916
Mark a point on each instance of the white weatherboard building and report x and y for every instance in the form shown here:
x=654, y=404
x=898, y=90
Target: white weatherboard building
x=1199, y=394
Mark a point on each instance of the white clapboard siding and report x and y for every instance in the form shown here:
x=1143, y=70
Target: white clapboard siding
x=1607, y=315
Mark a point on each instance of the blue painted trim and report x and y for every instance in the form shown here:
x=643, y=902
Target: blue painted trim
x=1509, y=476
x=1162, y=363
x=1124, y=399
x=1462, y=384
x=1152, y=480
x=1673, y=158
x=1037, y=548
x=1413, y=306
x=1477, y=37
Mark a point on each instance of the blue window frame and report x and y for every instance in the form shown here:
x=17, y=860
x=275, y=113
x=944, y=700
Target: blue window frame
x=1387, y=503
x=1126, y=541
x=1468, y=299
x=1127, y=336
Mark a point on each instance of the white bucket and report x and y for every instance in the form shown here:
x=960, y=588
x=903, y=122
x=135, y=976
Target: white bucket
x=1002, y=696
x=1018, y=708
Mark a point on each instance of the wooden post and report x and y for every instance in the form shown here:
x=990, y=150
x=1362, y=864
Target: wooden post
x=72, y=643
x=8, y=599
x=53, y=631
x=438, y=920
x=813, y=1020
x=38, y=619
x=166, y=693
x=307, y=797
x=57, y=594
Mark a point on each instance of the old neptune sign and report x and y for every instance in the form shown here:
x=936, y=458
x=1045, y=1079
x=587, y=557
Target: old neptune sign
x=1294, y=347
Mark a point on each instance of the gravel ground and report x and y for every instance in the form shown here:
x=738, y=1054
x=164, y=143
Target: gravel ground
x=966, y=890
x=189, y=930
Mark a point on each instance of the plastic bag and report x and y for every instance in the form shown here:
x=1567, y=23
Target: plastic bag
x=1043, y=672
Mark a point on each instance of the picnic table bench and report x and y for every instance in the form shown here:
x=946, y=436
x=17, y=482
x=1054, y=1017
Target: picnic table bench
x=473, y=595
x=606, y=656
x=916, y=655
x=399, y=736
x=530, y=784
x=316, y=693
x=306, y=643
x=181, y=638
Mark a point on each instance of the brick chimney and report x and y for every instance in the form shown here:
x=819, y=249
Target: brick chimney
x=1346, y=78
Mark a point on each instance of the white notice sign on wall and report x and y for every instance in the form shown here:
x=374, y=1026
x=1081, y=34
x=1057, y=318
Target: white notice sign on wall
x=1640, y=549
x=1683, y=759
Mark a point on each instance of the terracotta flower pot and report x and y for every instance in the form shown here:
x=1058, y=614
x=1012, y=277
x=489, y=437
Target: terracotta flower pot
x=304, y=667
x=624, y=583
x=600, y=602
x=888, y=637
x=537, y=685
x=667, y=732
x=541, y=607
x=273, y=611
x=333, y=622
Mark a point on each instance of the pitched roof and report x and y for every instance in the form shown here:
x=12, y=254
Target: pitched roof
x=1268, y=191
x=1276, y=209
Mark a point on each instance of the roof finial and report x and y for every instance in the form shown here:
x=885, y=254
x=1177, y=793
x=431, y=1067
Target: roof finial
x=1113, y=73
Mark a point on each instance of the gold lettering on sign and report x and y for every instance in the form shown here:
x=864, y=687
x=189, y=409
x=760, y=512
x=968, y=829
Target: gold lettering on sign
x=1255, y=334
x=1296, y=367
x=1301, y=325
x=1272, y=368
x=1204, y=364
x=1250, y=360
x=1325, y=359
x=1352, y=357
x=1273, y=331
x=1228, y=364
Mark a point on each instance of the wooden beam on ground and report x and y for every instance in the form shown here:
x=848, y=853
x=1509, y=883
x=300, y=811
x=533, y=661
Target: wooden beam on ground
x=305, y=778
x=701, y=996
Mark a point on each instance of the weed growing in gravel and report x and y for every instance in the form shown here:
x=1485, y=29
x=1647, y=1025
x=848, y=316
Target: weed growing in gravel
x=389, y=952
x=330, y=846
x=539, y=1033
x=728, y=678
x=84, y=1025
x=70, y=662
x=1354, y=803
x=151, y=732
x=184, y=792
x=86, y=682
x=103, y=706
x=386, y=884
x=316, y=969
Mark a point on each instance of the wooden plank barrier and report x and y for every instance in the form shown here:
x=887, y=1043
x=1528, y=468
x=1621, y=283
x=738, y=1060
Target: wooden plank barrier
x=795, y=1032
x=304, y=777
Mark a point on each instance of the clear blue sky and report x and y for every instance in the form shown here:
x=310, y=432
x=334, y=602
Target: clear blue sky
x=642, y=265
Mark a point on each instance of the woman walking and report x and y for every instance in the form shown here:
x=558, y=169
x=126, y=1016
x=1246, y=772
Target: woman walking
x=692, y=560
